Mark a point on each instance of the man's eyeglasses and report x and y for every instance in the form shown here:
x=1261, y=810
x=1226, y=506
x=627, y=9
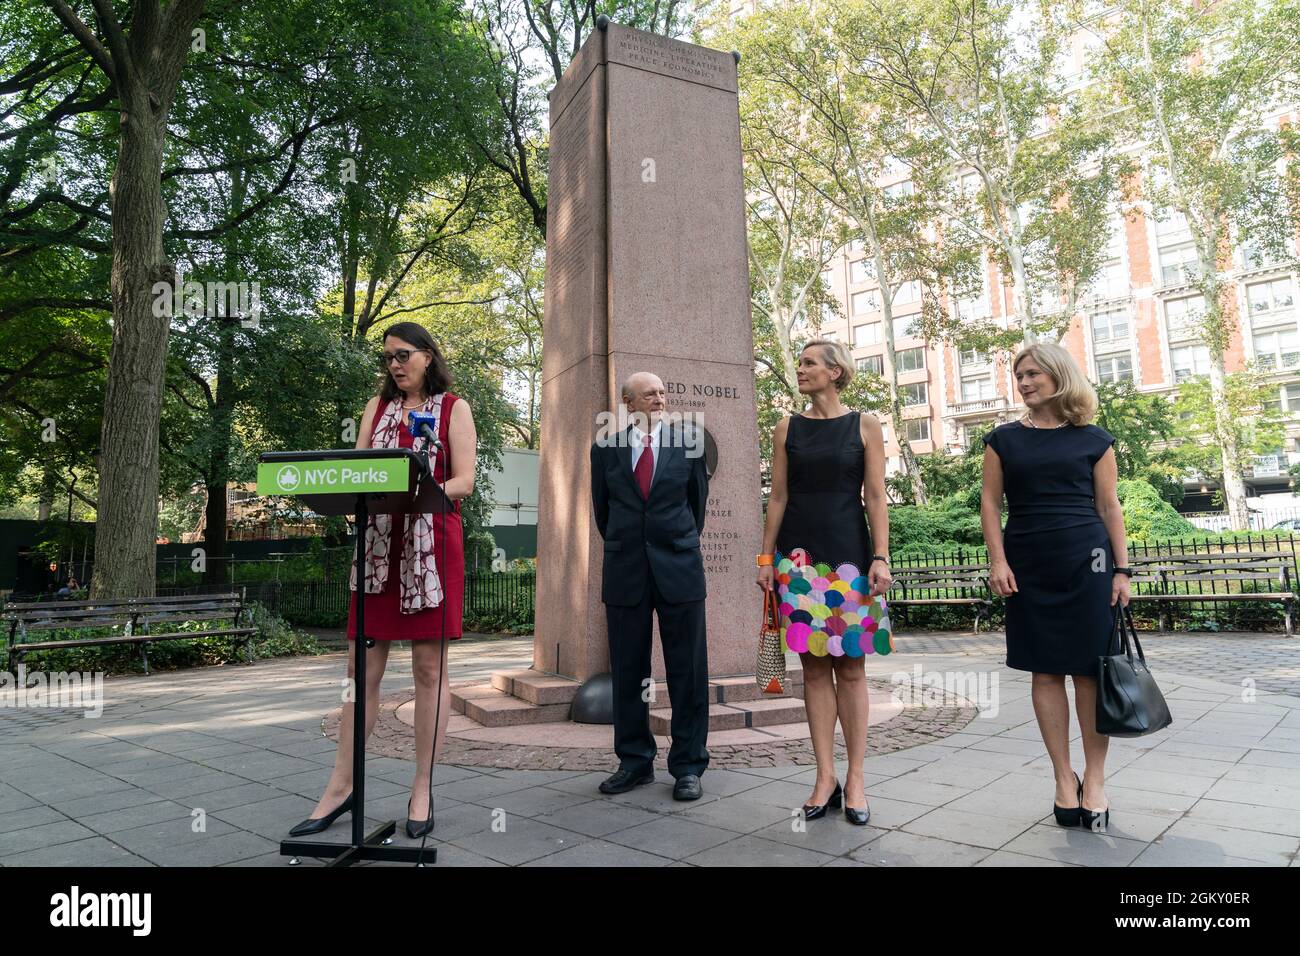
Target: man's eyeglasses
x=402, y=356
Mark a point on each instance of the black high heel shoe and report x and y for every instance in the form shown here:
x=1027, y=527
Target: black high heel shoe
x=1069, y=816
x=857, y=817
x=814, y=812
x=416, y=829
x=1094, y=820
x=317, y=824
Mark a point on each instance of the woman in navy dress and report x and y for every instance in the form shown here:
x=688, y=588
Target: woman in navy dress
x=1054, y=563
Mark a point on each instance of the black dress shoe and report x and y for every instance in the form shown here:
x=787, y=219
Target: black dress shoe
x=813, y=811
x=687, y=787
x=1069, y=816
x=317, y=824
x=624, y=780
x=416, y=829
x=857, y=817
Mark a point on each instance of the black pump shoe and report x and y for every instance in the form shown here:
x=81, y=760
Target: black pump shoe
x=416, y=829
x=857, y=817
x=318, y=824
x=813, y=812
x=1095, y=820
x=1069, y=816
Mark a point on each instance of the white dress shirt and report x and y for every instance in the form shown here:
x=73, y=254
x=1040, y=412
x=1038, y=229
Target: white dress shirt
x=638, y=446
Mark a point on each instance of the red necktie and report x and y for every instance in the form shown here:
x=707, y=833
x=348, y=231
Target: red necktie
x=645, y=468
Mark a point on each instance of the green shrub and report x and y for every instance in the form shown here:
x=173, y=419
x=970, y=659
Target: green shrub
x=1147, y=515
x=943, y=525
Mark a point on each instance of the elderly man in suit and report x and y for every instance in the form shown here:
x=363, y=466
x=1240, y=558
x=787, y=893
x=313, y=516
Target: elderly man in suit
x=650, y=489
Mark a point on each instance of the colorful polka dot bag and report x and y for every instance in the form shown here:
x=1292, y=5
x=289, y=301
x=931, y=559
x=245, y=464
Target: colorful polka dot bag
x=827, y=610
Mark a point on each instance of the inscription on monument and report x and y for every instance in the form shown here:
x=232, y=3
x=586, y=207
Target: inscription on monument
x=672, y=57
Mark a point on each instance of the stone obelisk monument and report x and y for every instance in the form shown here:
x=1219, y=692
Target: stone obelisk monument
x=646, y=270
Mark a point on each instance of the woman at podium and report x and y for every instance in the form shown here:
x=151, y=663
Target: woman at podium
x=414, y=565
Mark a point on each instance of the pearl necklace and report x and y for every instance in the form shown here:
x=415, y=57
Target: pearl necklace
x=1030, y=422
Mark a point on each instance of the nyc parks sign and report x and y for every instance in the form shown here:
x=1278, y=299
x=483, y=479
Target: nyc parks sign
x=325, y=476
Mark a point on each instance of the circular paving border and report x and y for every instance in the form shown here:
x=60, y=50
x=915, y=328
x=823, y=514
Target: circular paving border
x=914, y=725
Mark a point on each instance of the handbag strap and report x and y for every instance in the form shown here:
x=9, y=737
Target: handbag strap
x=1128, y=619
x=771, y=611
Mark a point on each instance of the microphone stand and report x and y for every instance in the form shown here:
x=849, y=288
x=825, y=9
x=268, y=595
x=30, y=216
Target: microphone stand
x=431, y=468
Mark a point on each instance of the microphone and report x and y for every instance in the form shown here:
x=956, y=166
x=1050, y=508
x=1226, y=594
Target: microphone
x=421, y=426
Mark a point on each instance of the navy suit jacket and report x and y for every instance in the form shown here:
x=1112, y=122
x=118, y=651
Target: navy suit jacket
x=660, y=534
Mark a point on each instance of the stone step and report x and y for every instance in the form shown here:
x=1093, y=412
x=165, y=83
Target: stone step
x=484, y=704
x=536, y=687
x=738, y=715
x=729, y=690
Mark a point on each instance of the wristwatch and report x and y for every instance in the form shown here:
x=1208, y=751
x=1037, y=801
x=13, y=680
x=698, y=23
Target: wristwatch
x=880, y=557
x=764, y=560
x=1124, y=570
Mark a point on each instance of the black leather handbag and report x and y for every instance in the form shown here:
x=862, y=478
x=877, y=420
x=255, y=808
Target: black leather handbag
x=1129, y=704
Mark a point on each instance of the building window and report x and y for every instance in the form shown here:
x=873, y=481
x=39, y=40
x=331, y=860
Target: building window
x=1110, y=326
x=908, y=292
x=874, y=364
x=977, y=389
x=914, y=394
x=1270, y=302
x=897, y=191
x=1257, y=255
x=1115, y=368
x=1286, y=400
x=1183, y=317
x=910, y=360
x=974, y=357
x=917, y=429
x=1111, y=281
x=1190, y=361
x=1279, y=348
x=903, y=327
x=868, y=334
x=971, y=308
x=860, y=270
x=1177, y=251
x=864, y=302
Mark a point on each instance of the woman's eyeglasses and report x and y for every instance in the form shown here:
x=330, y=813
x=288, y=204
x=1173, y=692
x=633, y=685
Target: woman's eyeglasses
x=402, y=356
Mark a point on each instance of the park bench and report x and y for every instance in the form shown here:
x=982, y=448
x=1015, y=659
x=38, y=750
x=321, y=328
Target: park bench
x=142, y=622
x=1167, y=579
x=954, y=584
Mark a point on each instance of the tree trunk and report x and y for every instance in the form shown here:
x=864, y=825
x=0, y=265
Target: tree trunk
x=48, y=487
x=127, y=522
x=223, y=412
x=1234, y=487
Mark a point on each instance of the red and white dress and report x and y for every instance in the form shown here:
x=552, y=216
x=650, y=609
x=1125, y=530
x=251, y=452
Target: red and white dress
x=385, y=620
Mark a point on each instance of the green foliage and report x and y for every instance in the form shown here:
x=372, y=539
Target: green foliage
x=1138, y=421
x=945, y=524
x=1147, y=515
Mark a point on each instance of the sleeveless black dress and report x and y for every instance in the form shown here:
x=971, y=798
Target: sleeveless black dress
x=824, y=546
x=1059, y=621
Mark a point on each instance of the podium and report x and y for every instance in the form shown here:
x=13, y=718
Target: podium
x=356, y=481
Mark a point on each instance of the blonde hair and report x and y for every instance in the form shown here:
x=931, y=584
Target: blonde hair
x=1075, y=399
x=834, y=354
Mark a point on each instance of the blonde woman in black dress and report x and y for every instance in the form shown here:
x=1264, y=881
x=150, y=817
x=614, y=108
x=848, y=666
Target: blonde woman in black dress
x=818, y=555
x=1055, y=561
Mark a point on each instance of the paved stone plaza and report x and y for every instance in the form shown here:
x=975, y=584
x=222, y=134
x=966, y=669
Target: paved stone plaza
x=244, y=744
